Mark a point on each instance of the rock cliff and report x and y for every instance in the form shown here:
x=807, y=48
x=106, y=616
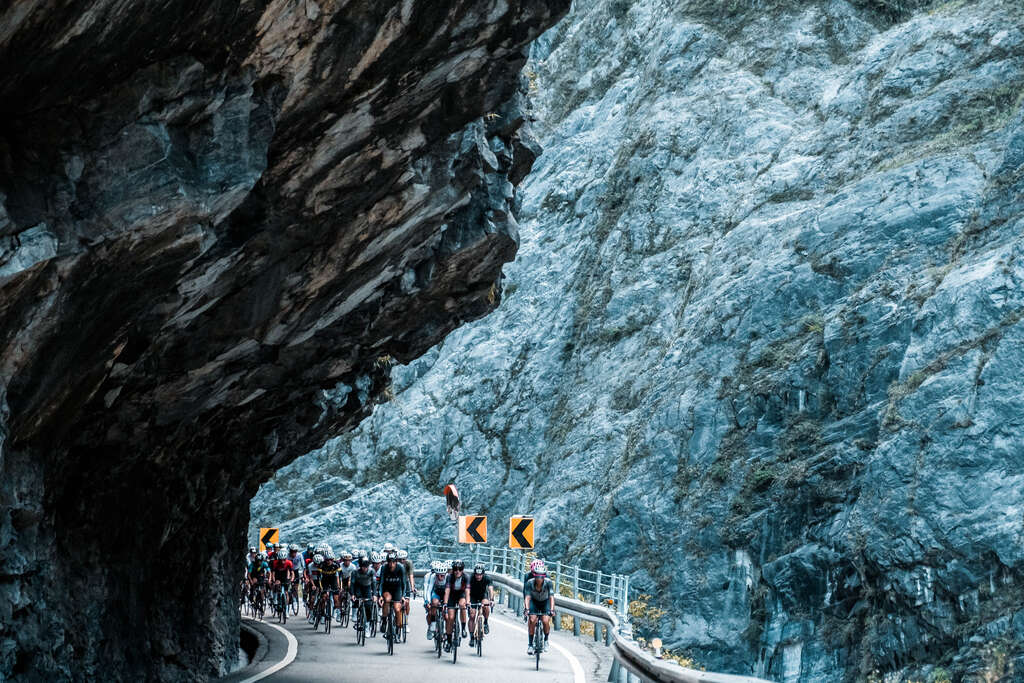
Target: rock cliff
x=210, y=213
x=761, y=346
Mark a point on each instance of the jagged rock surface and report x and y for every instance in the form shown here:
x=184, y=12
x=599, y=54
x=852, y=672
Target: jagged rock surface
x=761, y=346
x=210, y=213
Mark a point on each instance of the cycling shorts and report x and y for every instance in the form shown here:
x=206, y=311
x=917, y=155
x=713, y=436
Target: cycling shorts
x=540, y=607
x=434, y=595
x=453, y=599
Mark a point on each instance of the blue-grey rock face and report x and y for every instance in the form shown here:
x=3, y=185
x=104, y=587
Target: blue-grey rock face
x=761, y=347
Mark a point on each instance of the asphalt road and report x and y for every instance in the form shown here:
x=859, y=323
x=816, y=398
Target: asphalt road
x=337, y=657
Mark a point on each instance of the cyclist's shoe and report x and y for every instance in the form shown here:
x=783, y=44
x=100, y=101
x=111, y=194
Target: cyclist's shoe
x=463, y=631
x=487, y=628
x=430, y=632
x=447, y=646
x=472, y=641
x=529, y=651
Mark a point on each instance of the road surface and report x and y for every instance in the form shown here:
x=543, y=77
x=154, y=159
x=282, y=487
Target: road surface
x=337, y=657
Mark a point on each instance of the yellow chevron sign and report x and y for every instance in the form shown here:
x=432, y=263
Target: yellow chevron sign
x=472, y=529
x=520, y=532
x=267, y=535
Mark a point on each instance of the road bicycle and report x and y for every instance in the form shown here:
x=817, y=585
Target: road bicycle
x=478, y=627
x=344, y=611
x=324, y=609
x=538, y=641
x=389, y=631
x=281, y=603
x=374, y=616
x=360, y=621
x=257, y=598
x=456, y=632
x=438, y=634
x=293, y=598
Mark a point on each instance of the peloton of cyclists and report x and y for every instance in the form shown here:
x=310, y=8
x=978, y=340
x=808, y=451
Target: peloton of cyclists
x=386, y=577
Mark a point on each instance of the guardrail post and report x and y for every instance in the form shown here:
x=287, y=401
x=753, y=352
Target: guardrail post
x=576, y=582
x=576, y=626
x=625, y=598
x=597, y=587
x=597, y=632
x=613, y=675
x=608, y=635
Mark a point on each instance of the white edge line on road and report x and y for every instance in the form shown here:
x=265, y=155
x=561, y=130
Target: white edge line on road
x=293, y=649
x=577, y=668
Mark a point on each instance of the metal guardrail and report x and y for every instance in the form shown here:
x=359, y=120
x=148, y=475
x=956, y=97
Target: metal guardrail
x=631, y=661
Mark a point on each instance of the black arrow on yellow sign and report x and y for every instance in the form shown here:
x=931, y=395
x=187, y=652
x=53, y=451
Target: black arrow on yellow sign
x=521, y=532
x=473, y=529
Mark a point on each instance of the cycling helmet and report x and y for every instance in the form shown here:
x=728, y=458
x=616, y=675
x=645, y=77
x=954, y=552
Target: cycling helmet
x=458, y=564
x=279, y=546
x=318, y=558
x=361, y=553
x=478, y=569
x=329, y=554
x=346, y=555
x=402, y=554
x=388, y=547
x=536, y=563
x=435, y=566
x=364, y=562
x=252, y=549
x=261, y=556
x=293, y=548
x=376, y=558
x=391, y=556
x=540, y=569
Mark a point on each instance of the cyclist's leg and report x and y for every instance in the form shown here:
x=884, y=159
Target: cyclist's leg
x=472, y=619
x=547, y=624
x=385, y=608
x=399, y=607
x=462, y=615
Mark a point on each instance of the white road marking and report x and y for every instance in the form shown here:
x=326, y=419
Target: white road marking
x=293, y=649
x=577, y=668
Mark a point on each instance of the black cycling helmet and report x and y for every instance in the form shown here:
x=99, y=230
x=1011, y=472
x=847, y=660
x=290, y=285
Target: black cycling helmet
x=364, y=561
x=479, y=568
x=458, y=564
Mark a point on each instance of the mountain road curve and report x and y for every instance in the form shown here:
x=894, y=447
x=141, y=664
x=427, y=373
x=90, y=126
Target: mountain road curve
x=337, y=657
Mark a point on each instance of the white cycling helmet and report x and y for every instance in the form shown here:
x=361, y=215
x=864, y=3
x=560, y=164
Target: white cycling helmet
x=402, y=554
x=375, y=557
x=318, y=558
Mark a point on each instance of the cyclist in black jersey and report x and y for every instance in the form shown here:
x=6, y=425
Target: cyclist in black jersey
x=540, y=603
x=481, y=593
x=361, y=585
x=456, y=592
x=393, y=589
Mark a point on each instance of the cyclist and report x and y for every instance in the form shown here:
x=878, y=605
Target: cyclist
x=393, y=589
x=329, y=577
x=540, y=602
x=481, y=592
x=433, y=594
x=259, y=571
x=283, y=572
x=456, y=591
x=410, y=577
x=251, y=555
x=361, y=587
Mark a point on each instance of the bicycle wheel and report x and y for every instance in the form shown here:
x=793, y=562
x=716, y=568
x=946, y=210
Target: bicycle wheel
x=373, y=621
x=294, y=600
x=538, y=642
x=479, y=631
x=389, y=633
x=455, y=642
x=345, y=612
x=328, y=612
